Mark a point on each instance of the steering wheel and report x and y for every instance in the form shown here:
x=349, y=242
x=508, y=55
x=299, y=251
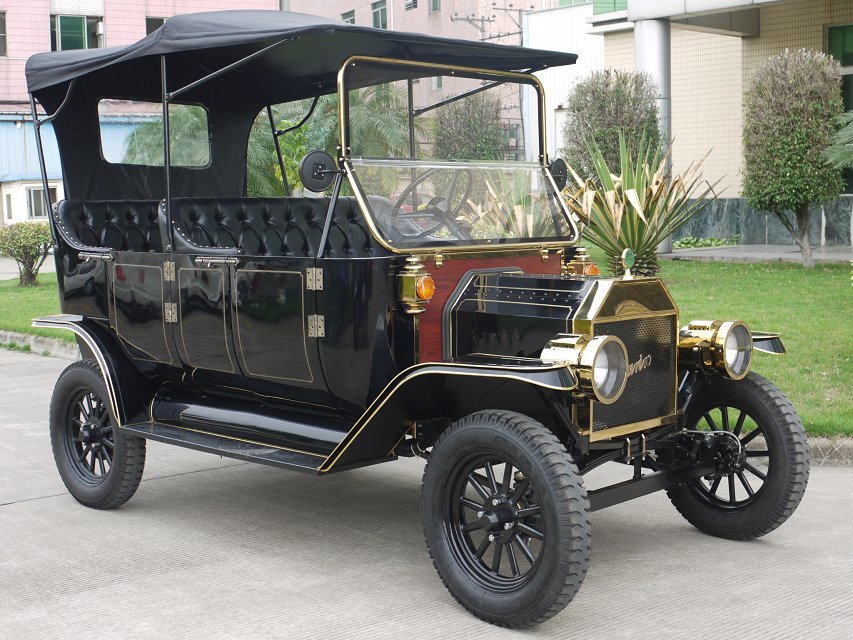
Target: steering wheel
x=440, y=207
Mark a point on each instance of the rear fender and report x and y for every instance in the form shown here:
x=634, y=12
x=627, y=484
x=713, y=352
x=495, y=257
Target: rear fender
x=129, y=392
x=444, y=390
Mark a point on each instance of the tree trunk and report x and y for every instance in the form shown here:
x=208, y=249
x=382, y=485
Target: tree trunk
x=27, y=277
x=802, y=213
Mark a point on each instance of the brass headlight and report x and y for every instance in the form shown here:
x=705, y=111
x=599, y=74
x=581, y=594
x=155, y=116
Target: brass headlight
x=600, y=364
x=717, y=346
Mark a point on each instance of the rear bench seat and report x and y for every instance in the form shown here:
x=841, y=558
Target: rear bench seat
x=122, y=225
x=271, y=226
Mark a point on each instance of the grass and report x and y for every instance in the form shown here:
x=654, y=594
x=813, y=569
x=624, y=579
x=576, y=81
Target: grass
x=19, y=305
x=813, y=309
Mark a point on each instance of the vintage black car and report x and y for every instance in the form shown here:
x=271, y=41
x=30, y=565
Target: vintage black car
x=426, y=303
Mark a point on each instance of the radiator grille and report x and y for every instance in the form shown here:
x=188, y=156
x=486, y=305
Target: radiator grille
x=649, y=393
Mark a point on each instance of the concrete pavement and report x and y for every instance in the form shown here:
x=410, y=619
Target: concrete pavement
x=213, y=548
x=9, y=268
x=762, y=253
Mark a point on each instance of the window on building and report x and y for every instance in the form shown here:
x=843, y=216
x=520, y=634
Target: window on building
x=35, y=202
x=2, y=33
x=410, y=4
x=349, y=16
x=152, y=24
x=434, y=5
x=380, y=15
x=840, y=45
x=74, y=32
x=8, y=206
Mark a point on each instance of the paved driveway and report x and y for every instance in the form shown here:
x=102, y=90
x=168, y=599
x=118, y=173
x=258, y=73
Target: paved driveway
x=212, y=548
x=9, y=268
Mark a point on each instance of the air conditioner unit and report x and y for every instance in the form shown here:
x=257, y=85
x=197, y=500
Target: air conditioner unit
x=411, y=4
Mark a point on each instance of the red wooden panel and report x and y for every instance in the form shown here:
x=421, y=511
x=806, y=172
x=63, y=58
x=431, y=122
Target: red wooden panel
x=448, y=276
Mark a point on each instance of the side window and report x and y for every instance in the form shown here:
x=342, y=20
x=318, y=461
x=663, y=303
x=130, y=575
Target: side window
x=840, y=45
x=132, y=133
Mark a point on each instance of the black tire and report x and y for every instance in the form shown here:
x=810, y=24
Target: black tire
x=100, y=466
x=541, y=493
x=773, y=437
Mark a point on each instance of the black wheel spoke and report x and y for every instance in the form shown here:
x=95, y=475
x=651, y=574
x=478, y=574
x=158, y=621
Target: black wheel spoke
x=478, y=487
x=528, y=511
x=496, y=559
x=739, y=424
x=84, y=453
x=530, y=531
x=108, y=443
x=101, y=462
x=758, y=453
x=490, y=474
x=92, y=460
x=755, y=471
x=520, y=488
x=745, y=483
x=749, y=436
x=108, y=457
x=467, y=502
x=513, y=561
x=525, y=550
x=507, y=479
x=472, y=526
x=725, y=413
x=714, y=485
x=483, y=546
x=710, y=422
x=731, y=478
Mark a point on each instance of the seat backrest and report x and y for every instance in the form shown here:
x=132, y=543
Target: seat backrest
x=271, y=226
x=122, y=225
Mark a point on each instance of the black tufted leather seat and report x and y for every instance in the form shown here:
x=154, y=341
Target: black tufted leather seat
x=122, y=225
x=271, y=226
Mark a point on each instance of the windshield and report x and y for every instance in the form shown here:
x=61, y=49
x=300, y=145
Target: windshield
x=449, y=157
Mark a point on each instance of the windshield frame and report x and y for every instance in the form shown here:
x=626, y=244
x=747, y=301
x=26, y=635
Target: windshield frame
x=346, y=165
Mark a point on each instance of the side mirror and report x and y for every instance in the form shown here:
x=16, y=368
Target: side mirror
x=560, y=173
x=317, y=171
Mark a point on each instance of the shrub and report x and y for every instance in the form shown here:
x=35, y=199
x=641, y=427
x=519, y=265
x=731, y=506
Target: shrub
x=637, y=207
x=692, y=242
x=790, y=111
x=27, y=243
x=601, y=107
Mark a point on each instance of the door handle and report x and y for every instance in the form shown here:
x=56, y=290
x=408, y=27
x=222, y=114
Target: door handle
x=212, y=260
x=103, y=257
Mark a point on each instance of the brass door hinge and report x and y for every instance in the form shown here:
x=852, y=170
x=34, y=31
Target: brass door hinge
x=170, y=312
x=169, y=271
x=314, y=278
x=316, y=326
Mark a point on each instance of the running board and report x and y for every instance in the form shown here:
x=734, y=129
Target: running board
x=247, y=450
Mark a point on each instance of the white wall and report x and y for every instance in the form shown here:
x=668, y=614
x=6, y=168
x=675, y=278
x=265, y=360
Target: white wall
x=562, y=29
x=18, y=193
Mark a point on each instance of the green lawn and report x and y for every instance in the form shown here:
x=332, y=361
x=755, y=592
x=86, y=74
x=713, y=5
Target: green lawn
x=812, y=309
x=19, y=305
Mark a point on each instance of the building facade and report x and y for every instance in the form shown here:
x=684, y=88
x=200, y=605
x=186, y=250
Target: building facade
x=33, y=26
x=714, y=50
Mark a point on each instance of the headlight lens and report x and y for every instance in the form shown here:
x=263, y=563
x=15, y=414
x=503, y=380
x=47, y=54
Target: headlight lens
x=737, y=348
x=607, y=360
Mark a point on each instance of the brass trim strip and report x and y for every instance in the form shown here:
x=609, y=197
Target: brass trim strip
x=612, y=432
x=401, y=379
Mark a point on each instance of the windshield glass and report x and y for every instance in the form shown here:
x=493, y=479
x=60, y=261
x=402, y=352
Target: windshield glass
x=434, y=204
x=449, y=157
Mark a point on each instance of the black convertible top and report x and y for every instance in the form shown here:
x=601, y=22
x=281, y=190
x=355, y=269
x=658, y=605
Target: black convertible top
x=315, y=50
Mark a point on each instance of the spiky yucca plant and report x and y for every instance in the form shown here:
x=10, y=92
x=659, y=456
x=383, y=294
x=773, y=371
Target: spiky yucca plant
x=638, y=206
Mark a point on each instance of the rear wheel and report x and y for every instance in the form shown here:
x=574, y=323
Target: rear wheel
x=751, y=494
x=506, y=518
x=100, y=466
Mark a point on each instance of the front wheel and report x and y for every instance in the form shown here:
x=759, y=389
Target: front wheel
x=100, y=466
x=506, y=518
x=753, y=493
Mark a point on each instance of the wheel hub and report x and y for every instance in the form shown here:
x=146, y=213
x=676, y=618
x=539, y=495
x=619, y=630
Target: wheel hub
x=90, y=434
x=500, y=518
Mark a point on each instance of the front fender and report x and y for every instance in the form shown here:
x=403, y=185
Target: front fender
x=448, y=390
x=128, y=391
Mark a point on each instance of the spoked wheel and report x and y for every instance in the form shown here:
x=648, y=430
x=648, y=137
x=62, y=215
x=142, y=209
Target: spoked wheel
x=761, y=476
x=506, y=518
x=100, y=467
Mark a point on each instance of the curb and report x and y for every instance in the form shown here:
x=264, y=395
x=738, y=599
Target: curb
x=825, y=452
x=52, y=347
